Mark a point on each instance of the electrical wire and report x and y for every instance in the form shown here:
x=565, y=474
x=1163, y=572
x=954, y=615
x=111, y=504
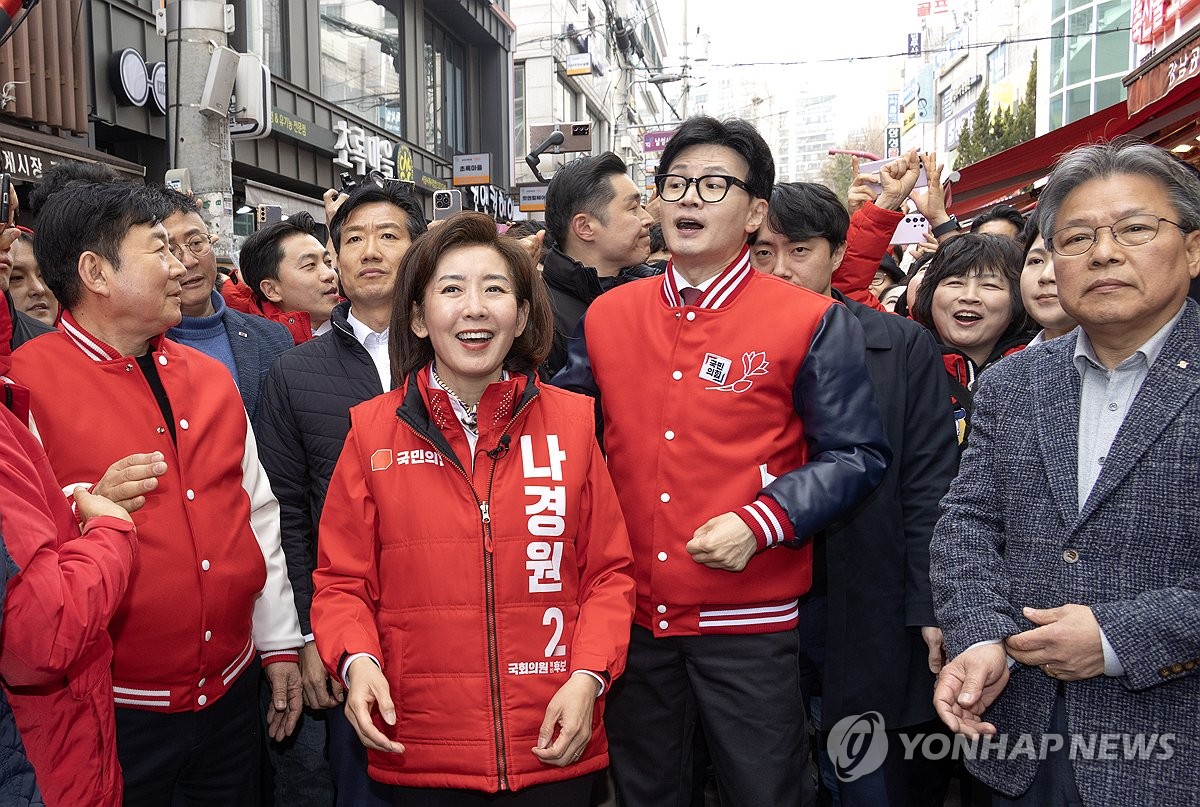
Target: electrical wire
x=871, y=57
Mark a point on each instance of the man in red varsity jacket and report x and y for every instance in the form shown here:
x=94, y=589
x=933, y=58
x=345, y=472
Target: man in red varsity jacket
x=209, y=590
x=739, y=420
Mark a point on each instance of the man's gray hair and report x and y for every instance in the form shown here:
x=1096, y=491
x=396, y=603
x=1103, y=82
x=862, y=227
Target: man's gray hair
x=1126, y=156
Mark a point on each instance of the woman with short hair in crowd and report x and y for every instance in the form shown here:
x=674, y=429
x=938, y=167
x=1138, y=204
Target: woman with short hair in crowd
x=970, y=298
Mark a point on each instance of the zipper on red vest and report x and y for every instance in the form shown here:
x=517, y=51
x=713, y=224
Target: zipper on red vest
x=490, y=590
x=485, y=519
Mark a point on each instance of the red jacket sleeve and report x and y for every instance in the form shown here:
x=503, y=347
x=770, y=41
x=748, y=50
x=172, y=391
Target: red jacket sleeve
x=606, y=586
x=70, y=584
x=870, y=235
x=346, y=580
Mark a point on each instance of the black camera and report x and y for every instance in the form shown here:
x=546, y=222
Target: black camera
x=375, y=176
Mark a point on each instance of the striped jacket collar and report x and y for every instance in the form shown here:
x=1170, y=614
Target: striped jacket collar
x=92, y=347
x=724, y=287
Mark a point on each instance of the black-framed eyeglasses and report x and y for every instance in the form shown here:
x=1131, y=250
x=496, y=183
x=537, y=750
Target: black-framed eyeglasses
x=1131, y=231
x=198, y=245
x=711, y=187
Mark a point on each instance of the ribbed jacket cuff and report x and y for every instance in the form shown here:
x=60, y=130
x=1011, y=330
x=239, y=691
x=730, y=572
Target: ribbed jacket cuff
x=768, y=521
x=273, y=656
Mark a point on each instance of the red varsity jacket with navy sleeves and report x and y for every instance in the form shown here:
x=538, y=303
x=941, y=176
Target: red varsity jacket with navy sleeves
x=755, y=400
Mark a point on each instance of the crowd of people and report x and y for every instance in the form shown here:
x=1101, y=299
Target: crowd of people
x=722, y=497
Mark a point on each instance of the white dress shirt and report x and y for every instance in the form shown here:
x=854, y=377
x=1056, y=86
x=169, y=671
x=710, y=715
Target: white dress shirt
x=376, y=345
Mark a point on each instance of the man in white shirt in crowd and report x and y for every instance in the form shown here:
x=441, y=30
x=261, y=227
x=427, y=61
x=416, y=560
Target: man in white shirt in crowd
x=303, y=420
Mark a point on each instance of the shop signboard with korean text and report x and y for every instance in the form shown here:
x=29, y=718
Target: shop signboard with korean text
x=490, y=200
x=532, y=198
x=472, y=169
x=360, y=151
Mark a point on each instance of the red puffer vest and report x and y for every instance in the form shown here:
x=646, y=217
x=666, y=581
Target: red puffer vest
x=478, y=586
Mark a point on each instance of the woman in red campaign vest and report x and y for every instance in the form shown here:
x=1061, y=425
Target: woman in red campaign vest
x=473, y=585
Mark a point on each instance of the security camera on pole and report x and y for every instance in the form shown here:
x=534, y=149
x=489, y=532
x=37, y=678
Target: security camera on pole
x=201, y=71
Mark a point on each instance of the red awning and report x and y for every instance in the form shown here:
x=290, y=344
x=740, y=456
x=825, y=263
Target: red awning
x=1002, y=175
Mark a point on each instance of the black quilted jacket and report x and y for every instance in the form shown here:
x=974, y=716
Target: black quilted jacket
x=302, y=422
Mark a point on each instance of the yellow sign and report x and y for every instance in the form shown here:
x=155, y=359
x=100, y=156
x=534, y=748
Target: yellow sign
x=532, y=198
x=404, y=163
x=1004, y=94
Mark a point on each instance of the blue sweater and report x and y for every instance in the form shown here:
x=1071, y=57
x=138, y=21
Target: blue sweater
x=208, y=335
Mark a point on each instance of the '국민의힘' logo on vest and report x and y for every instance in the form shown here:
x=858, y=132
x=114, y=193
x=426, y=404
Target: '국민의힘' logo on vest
x=717, y=370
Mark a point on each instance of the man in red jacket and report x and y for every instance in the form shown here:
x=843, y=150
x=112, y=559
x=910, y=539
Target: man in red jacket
x=210, y=590
x=739, y=420
x=287, y=277
x=55, y=652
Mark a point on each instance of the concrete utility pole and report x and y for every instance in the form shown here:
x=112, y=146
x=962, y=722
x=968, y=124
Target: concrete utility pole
x=683, y=96
x=199, y=142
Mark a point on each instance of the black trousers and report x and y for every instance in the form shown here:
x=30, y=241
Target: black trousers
x=1054, y=785
x=743, y=690
x=210, y=757
x=575, y=792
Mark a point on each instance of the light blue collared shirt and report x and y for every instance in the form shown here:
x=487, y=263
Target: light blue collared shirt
x=1104, y=400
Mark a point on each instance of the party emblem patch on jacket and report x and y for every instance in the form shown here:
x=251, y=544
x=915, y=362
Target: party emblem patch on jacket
x=385, y=458
x=719, y=370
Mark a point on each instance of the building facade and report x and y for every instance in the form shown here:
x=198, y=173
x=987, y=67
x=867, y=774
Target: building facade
x=47, y=97
x=964, y=47
x=1088, y=54
x=399, y=86
x=587, y=61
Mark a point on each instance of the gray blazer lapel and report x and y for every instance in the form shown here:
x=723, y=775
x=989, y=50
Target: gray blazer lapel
x=1056, y=385
x=1172, y=382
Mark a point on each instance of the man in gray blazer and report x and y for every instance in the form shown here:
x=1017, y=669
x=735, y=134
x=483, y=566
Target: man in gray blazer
x=1066, y=565
x=246, y=344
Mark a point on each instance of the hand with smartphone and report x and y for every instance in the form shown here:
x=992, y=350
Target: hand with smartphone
x=889, y=183
x=8, y=229
x=7, y=208
x=333, y=199
x=446, y=204
x=931, y=202
x=893, y=180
